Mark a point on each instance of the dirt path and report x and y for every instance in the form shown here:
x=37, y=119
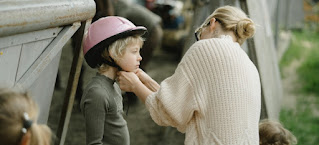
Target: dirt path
x=289, y=85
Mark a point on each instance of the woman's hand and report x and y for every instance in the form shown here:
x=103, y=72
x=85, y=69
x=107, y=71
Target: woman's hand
x=144, y=77
x=147, y=80
x=130, y=82
x=127, y=81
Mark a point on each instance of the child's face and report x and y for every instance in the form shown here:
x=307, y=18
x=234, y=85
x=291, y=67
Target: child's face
x=130, y=61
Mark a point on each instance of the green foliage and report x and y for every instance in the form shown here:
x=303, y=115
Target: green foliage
x=302, y=123
x=309, y=69
x=294, y=51
x=304, y=44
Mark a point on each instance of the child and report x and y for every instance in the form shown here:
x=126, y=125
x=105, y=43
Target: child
x=273, y=133
x=112, y=44
x=18, y=116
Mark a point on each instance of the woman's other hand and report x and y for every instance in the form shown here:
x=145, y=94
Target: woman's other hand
x=147, y=80
x=127, y=80
x=144, y=77
x=130, y=82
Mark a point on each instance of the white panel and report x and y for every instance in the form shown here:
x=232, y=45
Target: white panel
x=43, y=87
x=40, y=77
x=29, y=53
x=9, y=58
x=29, y=37
x=46, y=57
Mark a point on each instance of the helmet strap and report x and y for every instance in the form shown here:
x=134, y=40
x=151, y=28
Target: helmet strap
x=112, y=63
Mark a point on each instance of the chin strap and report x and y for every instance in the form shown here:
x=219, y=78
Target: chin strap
x=112, y=63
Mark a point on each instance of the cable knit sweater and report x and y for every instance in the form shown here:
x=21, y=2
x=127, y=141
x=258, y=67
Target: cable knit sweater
x=214, y=96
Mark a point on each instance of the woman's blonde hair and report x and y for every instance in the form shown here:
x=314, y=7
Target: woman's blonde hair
x=117, y=49
x=13, y=106
x=234, y=19
x=273, y=133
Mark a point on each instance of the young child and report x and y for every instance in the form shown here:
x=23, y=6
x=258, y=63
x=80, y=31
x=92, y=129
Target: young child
x=273, y=133
x=18, y=116
x=112, y=44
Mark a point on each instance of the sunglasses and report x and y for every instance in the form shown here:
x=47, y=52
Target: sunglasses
x=199, y=30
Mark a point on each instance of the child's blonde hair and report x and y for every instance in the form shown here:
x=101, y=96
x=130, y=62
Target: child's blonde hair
x=273, y=133
x=117, y=49
x=13, y=106
x=233, y=19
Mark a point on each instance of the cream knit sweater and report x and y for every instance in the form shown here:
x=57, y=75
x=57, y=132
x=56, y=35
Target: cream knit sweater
x=214, y=96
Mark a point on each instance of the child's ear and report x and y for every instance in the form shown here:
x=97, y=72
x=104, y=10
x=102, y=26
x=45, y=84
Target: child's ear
x=26, y=139
x=110, y=55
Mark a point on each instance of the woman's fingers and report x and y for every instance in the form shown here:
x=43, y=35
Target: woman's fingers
x=127, y=80
x=142, y=76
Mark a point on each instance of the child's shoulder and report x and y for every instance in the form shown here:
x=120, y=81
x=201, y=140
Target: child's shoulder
x=99, y=86
x=96, y=90
x=95, y=94
x=95, y=87
x=99, y=81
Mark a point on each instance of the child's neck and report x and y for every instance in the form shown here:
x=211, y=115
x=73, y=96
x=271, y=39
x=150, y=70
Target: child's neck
x=111, y=73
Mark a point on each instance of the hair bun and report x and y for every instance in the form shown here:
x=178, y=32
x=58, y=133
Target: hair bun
x=245, y=28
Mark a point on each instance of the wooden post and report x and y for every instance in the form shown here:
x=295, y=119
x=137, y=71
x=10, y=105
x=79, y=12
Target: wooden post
x=72, y=85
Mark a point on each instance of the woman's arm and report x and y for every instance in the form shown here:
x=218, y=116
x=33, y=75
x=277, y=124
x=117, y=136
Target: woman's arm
x=173, y=104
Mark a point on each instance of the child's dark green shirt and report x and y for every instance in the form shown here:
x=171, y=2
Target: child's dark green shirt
x=102, y=107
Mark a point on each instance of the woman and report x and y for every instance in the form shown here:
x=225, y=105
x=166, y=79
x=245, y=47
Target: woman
x=214, y=96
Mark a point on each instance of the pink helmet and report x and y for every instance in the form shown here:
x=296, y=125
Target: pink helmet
x=104, y=32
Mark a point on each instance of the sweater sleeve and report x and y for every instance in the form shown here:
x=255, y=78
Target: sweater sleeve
x=174, y=103
x=94, y=109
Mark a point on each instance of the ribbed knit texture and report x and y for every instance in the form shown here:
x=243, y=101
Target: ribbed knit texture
x=214, y=96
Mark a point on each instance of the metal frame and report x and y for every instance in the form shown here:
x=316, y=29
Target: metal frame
x=26, y=16
x=55, y=22
x=42, y=62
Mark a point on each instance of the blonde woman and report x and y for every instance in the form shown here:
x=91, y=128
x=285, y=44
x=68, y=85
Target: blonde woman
x=18, y=116
x=214, y=96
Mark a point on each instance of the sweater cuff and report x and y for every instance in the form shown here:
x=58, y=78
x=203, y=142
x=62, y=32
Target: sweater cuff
x=149, y=101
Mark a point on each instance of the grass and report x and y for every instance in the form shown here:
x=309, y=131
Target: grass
x=294, y=51
x=302, y=121
x=309, y=72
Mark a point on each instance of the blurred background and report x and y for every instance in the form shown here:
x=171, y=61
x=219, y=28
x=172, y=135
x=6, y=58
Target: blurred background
x=285, y=49
x=295, y=32
x=299, y=68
